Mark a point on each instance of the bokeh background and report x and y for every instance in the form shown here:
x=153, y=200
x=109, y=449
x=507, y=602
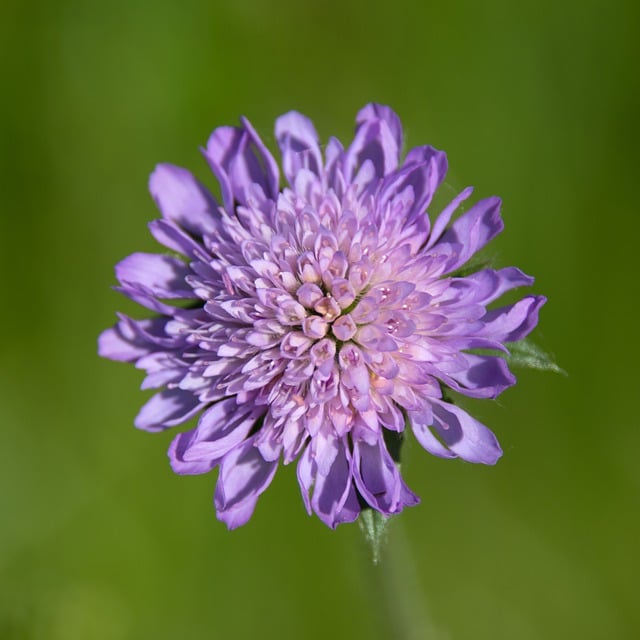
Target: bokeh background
x=536, y=102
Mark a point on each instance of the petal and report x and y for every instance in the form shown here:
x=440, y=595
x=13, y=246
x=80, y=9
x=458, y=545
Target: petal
x=113, y=345
x=162, y=275
x=485, y=377
x=334, y=497
x=472, y=231
x=445, y=216
x=167, y=409
x=266, y=160
x=222, y=146
x=334, y=158
x=378, y=479
x=221, y=428
x=152, y=330
x=488, y=285
x=131, y=339
x=425, y=168
x=176, y=456
x=172, y=237
x=305, y=473
x=183, y=200
x=146, y=298
x=464, y=435
x=298, y=142
x=239, y=159
x=375, y=111
x=515, y=322
x=374, y=143
x=244, y=475
x=420, y=423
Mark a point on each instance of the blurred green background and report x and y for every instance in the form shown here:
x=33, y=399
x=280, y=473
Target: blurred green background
x=536, y=102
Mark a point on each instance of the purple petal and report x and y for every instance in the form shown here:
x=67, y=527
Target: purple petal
x=178, y=446
x=472, y=231
x=183, y=200
x=172, y=237
x=464, y=435
x=167, y=409
x=162, y=275
x=374, y=143
x=305, y=472
x=113, y=345
x=162, y=370
x=485, y=377
x=334, y=157
x=425, y=168
x=378, y=479
x=298, y=142
x=155, y=331
x=334, y=497
x=130, y=339
x=483, y=287
x=222, y=147
x=445, y=216
x=268, y=163
x=382, y=112
x=515, y=322
x=421, y=421
x=221, y=428
x=146, y=298
x=239, y=159
x=244, y=475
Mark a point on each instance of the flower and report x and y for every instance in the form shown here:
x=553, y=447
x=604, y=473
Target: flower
x=321, y=319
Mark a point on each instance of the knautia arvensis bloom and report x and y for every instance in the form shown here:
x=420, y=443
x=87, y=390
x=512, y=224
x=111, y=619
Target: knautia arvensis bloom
x=323, y=318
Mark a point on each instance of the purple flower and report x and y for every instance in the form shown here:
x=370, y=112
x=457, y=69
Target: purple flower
x=320, y=318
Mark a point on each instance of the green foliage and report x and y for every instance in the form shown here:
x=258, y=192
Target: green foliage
x=528, y=355
x=375, y=528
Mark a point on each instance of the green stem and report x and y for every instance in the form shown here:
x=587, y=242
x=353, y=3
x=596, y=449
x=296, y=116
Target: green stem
x=396, y=593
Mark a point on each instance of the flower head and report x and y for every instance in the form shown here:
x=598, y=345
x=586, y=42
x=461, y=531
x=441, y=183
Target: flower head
x=322, y=319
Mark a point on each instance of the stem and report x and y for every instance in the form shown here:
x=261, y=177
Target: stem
x=396, y=594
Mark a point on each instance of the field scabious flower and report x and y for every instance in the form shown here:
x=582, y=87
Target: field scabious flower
x=322, y=319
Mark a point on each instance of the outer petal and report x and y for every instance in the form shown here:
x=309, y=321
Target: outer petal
x=334, y=497
x=464, y=435
x=113, y=345
x=484, y=377
x=298, y=142
x=266, y=160
x=374, y=111
x=426, y=169
x=221, y=428
x=373, y=154
x=239, y=160
x=244, y=475
x=146, y=298
x=183, y=200
x=162, y=275
x=176, y=456
x=487, y=285
x=515, y=322
x=445, y=216
x=131, y=339
x=334, y=157
x=172, y=237
x=378, y=479
x=421, y=421
x=167, y=409
x=472, y=231
x=305, y=472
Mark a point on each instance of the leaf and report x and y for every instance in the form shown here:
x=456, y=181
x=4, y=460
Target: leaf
x=528, y=355
x=375, y=528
